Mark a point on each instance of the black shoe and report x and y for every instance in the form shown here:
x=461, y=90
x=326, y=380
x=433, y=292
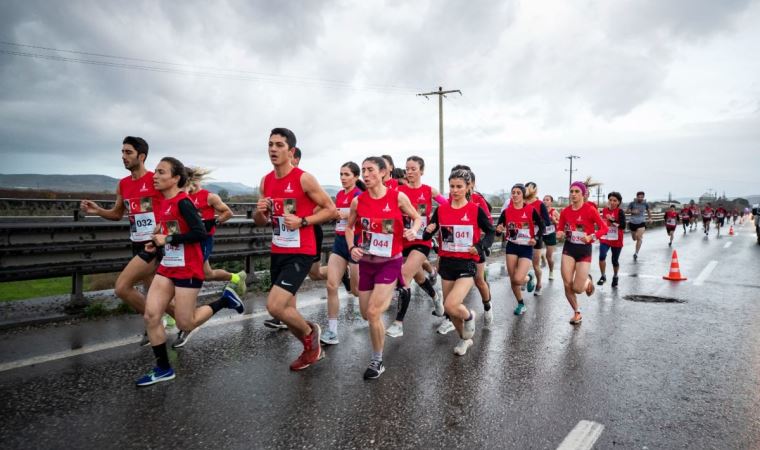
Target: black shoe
x=374, y=370
x=144, y=342
x=274, y=324
x=182, y=338
x=346, y=282
x=635, y=256
x=614, y=281
x=601, y=281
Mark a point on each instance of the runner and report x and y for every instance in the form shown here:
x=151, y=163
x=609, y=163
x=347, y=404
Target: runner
x=720, y=217
x=522, y=224
x=685, y=216
x=550, y=238
x=707, y=214
x=671, y=222
x=531, y=199
x=613, y=239
x=288, y=199
x=417, y=251
x=465, y=230
x=179, y=277
x=388, y=179
x=695, y=214
x=637, y=223
x=340, y=260
x=574, y=222
x=734, y=215
x=376, y=218
x=136, y=197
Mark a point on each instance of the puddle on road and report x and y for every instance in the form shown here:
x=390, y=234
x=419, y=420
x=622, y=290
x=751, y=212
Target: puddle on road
x=652, y=299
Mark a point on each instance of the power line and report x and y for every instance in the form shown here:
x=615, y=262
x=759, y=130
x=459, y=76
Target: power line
x=440, y=93
x=206, y=72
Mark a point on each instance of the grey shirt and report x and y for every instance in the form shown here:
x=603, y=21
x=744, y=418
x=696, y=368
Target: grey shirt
x=637, y=212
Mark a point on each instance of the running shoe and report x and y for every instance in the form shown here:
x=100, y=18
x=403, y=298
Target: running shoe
x=590, y=289
x=614, y=281
x=520, y=310
x=433, y=277
x=537, y=291
x=182, y=338
x=488, y=318
x=602, y=279
x=670, y=244
x=468, y=329
x=438, y=304
x=169, y=321
x=329, y=337
x=275, y=324
x=531, y=281
x=577, y=318
x=375, y=369
x=232, y=301
x=462, y=347
x=635, y=256
x=551, y=275
x=346, y=281
x=156, y=375
x=240, y=286
x=144, y=341
x=446, y=327
x=312, y=351
x=395, y=330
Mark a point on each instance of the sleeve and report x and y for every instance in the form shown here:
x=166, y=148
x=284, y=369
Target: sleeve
x=433, y=220
x=197, y=231
x=541, y=224
x=601, y=224
x=621, y=216
x=484, y=222
x=502, y=218
x=545, y=214
x=441, y=200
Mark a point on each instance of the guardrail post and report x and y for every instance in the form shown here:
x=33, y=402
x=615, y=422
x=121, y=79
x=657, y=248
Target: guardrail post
x=77, y=299
x=77, y=215
x=248, y=264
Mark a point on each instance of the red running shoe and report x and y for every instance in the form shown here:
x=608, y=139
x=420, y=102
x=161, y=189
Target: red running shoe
x=312, y=350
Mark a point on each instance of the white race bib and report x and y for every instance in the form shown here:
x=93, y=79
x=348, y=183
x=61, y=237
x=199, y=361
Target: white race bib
x=143, y=226
x=380, y=244
x=461, y=239
x=174, y=255
x=577, y=237
x=282, y=237
x=612, y=233
x=671, y=222
x=422, y=228
x=549, y=230
x=523, y=236
x=342, y=223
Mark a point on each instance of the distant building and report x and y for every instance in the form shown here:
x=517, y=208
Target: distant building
x=708, y=197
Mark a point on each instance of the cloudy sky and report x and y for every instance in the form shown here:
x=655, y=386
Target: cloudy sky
x=660, y=95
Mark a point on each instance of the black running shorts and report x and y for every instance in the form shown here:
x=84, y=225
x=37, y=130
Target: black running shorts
x=289, y=270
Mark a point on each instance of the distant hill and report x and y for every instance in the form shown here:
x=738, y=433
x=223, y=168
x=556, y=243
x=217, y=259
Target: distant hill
x=93, y=183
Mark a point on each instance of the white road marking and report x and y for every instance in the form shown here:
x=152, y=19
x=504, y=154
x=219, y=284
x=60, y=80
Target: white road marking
x=41, y=359
x=582, y=437
x=728, y=244
x=700, y=280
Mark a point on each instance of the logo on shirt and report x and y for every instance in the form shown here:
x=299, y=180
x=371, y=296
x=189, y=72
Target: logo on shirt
x=524, y=216
x=421, y=198
x=168, y=210
x=578, y=219
x=465, y=218
x=143, y=188
x=387, y=208
x=288, y=188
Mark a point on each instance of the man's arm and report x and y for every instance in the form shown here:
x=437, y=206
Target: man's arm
x=263, y=207
x=115, y=213
x=224, y=213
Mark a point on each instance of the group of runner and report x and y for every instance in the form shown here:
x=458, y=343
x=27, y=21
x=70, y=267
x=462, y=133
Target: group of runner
x=386, y=226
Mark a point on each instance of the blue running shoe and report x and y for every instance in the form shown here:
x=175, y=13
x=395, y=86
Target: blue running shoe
x=232, y=300
x=520, y=310
x=531, y=281
x=156, y=375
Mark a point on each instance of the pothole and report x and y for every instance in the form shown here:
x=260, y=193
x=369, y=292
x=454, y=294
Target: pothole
x=652, y=299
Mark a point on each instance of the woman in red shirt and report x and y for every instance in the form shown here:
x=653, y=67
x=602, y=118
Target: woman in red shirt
x=671, y=222
x=613, y=240
x=576, y=225
x=180, y=273
x=376, y=218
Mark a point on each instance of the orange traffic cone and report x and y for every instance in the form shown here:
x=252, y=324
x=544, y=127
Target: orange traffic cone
x=675, y=271
x=731, y=230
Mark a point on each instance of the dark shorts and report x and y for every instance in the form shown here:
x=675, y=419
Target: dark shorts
x=539, y=244
x=319, y=236
x=604, y=248
x=707, y=219
x=550, y=239
x=340, y=248
x=207, y=247
x=636, y=226
x=386, y=272
x=289, y=270
x=138, y=249
x=452, y=269
x=579, y=252
x=522, y=251
x=420, y=248
x=190, y=283
x=669, y=229
x=720, y=221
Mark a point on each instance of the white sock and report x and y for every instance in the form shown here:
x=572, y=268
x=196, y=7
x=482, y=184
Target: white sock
x=333, y=325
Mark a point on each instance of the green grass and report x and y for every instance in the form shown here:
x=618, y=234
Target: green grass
x=18, y=290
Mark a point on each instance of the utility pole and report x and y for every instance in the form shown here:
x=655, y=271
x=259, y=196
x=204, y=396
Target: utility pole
x=571, y=158
x=440, y=93
x=598, y=193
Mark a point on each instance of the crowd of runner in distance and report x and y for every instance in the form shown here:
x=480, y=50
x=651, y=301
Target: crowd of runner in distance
x=387, y=224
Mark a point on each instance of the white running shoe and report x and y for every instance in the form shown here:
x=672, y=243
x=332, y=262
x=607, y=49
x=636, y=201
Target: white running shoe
x=446, y=327
x=395, y=330
x=462, y=347
x=551, y=276
x=438, y=304
x=468, y=330
x=488, y=318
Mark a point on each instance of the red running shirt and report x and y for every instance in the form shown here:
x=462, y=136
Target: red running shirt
x=392, y=183
x=343, y=203
x=379, y=224
x=180, y=260
x=671, y=219
x=141, y=201
x=615, y=232
x=519, y=225
x=208, y=213
x=422, y=200
x=707, y=212
x=578, y=224
x=288, y=197
x=458, y=231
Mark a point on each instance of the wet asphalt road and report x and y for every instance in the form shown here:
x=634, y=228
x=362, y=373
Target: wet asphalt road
x=675, y=375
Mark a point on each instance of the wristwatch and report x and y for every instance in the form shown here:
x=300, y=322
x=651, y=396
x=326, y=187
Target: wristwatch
x=304, y=222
